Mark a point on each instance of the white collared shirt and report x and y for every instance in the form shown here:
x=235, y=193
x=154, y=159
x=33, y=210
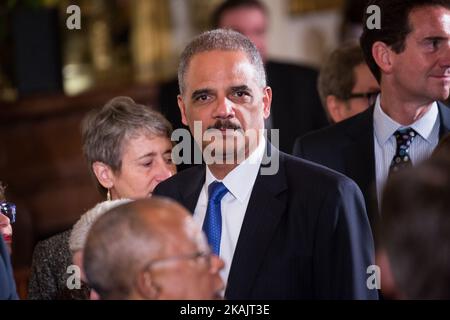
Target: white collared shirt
x=239, y=183
x=385, y=144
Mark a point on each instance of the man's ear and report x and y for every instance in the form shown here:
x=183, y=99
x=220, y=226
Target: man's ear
x=104, y=174
x=334, y=108
x=267, y=101
x=145, y=286
x=383, y=56
x=182, y=107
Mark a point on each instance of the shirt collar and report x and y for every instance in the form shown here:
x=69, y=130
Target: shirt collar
x=241, y=179
x=385, y=127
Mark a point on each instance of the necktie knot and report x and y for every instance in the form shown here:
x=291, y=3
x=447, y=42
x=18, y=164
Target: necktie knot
x=216, y=191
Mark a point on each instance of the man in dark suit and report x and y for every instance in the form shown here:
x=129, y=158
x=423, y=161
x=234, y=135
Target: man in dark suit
x=289, y=229
x=410, y=57
x=7, y=284
x=296, y=106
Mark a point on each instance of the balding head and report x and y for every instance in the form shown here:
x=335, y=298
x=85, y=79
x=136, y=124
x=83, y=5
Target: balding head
x=132, y=250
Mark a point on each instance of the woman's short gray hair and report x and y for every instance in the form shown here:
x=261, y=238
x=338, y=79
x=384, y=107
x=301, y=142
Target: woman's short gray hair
x=104, y=130
x=225, y=40
x=81, y=229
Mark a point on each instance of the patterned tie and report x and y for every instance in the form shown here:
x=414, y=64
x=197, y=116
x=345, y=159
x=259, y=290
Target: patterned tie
x=212, y=226
x=404, y=138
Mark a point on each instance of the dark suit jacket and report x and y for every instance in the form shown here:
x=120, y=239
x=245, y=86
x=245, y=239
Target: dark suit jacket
x=305, y=233
x=7, y=283
x=348, y=147
x=296, y=107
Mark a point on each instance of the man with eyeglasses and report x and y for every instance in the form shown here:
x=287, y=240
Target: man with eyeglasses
x=409, y=56
x=151, y=249
x=346, y=85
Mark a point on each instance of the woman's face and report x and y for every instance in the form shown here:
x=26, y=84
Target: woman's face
x=146, y=161
x=6, y=229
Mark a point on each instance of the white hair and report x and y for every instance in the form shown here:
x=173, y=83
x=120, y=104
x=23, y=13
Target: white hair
x=81, y=229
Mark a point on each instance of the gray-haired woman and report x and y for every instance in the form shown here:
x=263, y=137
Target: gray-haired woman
x=128, y=149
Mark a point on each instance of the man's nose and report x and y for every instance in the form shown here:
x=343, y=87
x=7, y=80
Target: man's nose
x=224, y=109
x=445, y=57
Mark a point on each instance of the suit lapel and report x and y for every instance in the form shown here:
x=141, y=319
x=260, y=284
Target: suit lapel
x=195, y=182
x=266, y=205
x=360, y=161
x=444, y=116
x=360, y=156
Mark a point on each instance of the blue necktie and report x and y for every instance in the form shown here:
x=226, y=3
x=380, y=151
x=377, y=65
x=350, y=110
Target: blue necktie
x=404, y=138
x=212, y=226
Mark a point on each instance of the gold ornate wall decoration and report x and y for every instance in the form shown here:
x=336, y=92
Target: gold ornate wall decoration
x=307, y=6
x=150, y=39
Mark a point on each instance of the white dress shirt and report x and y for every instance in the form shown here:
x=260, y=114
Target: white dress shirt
x=239, y=183
x=385, y=144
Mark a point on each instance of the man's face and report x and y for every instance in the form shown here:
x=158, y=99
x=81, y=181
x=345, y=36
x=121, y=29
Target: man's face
x=187, y=270
x=421, y=73
x=249, y=21
x=222, y=92
x=340, y=109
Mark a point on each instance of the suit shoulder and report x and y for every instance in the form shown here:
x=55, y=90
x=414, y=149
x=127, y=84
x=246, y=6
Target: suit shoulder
x=303, y=170
x=335, y=132
x=291, y=70
x=182, y=178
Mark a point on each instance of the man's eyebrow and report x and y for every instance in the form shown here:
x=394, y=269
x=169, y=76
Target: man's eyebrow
x=150, y=154
x=241, y=88
x=432, y=38
x=200, y=92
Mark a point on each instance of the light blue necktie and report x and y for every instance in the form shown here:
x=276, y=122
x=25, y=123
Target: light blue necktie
x=212, y=226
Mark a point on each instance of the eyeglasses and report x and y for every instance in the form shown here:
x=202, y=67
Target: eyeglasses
x=370, y=96
x=8, y=209
x=192, y=256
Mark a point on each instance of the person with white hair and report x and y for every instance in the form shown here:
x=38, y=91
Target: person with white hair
x=73, y=250
x=81, y=229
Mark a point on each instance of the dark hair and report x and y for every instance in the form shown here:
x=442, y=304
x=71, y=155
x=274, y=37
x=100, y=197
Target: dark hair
x=233, y=4
x=395, y=26
x=337, y=76
x=415, y=229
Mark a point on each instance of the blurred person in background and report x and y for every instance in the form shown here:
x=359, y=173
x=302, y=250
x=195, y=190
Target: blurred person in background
x=346, y=85
x=414, y=250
